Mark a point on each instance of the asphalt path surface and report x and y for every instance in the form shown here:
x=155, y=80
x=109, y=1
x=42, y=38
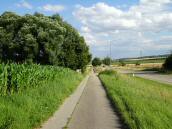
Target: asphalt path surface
x=94, y=110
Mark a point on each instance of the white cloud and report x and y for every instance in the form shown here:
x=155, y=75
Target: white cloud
x=53, y=8
x=24, y=4
x=155, y=1
x=132, y=28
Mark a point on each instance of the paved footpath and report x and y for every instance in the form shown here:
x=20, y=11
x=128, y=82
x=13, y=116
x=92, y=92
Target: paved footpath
x=94, y=110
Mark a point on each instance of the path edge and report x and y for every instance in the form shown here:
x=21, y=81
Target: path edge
x=61, y=117
x=115, y=107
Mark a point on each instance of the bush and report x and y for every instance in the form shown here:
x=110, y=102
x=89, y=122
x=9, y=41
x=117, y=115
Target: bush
x=122, y=63
x=109, y=72
x=137, y=63
x=107, y=61
x=168, y=63
x=96, y=61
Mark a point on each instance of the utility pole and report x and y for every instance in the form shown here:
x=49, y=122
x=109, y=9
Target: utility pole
x=110, y=50
x=140, y=53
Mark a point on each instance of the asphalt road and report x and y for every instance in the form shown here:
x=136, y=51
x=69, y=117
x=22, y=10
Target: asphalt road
x=152, y=75
x=94, y=110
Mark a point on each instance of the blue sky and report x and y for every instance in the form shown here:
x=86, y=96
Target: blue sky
x=11, y=5
x=130, y=25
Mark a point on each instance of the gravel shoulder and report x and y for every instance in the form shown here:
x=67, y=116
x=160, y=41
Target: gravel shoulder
x=94, y=110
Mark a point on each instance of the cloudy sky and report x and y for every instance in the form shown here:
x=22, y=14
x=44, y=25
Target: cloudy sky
x=131, y=26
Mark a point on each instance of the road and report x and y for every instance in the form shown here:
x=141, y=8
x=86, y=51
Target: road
x=94, y=110
x=152, y=75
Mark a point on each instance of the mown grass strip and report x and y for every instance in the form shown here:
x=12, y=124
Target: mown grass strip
x=144, y=104
x=34, y=104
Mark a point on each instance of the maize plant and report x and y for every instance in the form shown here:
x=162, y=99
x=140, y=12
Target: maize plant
x=15, y=78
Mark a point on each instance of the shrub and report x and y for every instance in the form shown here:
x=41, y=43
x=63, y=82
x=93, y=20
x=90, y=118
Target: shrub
x=96, y=61
x=137, y=63
x=107, y=61
x=109, y=72
x=168, y=63
x=122, y=63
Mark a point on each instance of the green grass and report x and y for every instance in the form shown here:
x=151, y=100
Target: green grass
x=144, y=104
x=35, y=104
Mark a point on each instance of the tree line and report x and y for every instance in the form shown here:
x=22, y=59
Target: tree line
x=97, y=61
x=37, y=38
x=167, y=65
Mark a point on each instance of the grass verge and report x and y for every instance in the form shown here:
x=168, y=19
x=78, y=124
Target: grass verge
x=34, y=105
x=143, y=104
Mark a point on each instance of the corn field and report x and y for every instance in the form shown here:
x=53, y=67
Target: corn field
x=15, y=78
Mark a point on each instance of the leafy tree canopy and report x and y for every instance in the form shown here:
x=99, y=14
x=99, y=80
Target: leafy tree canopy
x=96, y=61
x=106, y=61
x=41, y=39
x=168, y=63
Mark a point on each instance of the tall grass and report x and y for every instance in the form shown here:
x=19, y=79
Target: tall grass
x=144, y=104
x=35, y=93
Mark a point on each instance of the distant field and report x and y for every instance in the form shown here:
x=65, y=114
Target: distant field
x=144, y=104
x=142, y=61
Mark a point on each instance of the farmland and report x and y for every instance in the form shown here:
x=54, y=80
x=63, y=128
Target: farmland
x=31, y=93
x=144, y=104
x=141, y=61
x=86, y=64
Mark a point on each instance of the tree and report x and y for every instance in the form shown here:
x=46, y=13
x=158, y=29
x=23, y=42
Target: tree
x=75, y=53
x=168, y=63
x=96, y=61
x=106, y=61
x=46, y=40
x=122, y=63
x=137, y=63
